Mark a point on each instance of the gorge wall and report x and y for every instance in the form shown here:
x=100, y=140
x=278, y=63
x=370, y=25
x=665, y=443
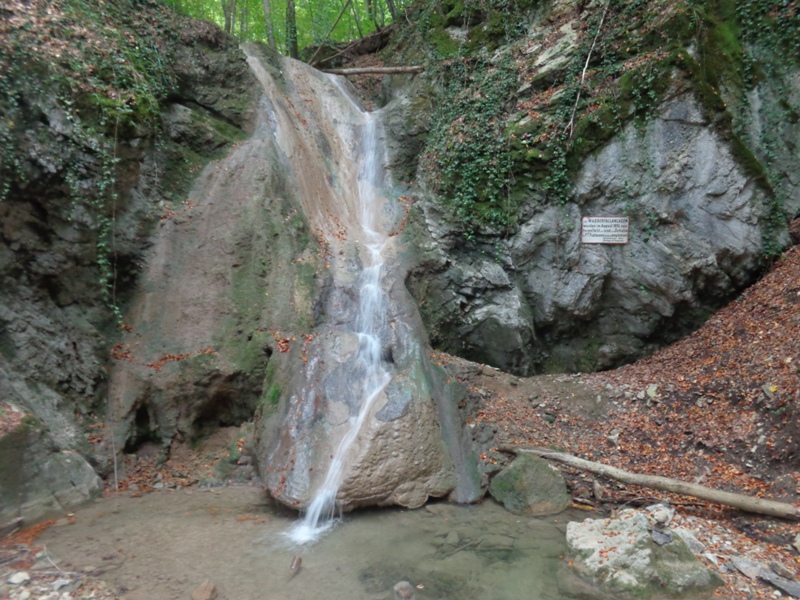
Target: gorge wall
x=150, y=295
x=90, y=166
x=593, y=110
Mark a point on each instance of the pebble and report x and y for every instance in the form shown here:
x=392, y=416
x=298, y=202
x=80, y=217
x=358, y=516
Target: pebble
x=60, y=583
x=205, y=591
x=19, y=577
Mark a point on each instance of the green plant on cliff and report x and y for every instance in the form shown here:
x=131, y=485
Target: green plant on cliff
x=626, y=55
x=467, y=154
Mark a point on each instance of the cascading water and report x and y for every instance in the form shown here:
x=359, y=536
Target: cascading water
x=370, y=322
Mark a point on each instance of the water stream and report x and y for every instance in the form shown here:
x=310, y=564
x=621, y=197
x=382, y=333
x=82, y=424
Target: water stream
x=370, y=322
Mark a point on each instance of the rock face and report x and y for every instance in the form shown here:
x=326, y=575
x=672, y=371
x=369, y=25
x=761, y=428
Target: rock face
x=700, y=165
x=37, y=479
x=620, y=558
x=56, y=328
x=410, y=444
x=547, y=302
x=530, y=486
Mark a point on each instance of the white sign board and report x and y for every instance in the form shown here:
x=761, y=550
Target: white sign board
x=604, y=230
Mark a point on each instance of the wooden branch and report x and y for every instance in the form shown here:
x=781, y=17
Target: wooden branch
x=374, y=70
x=746, y=503
x=332, y=56
x=335, y=23
x=571, y=125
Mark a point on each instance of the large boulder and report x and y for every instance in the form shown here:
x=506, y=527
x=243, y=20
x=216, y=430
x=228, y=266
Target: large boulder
x=37, y=480
x=530, y=486
x=400, y=442
x=619, y=558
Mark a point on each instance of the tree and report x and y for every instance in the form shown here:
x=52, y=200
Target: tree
x=392, y=9
x=291, y=30
x=268, y=24
x=229, y=10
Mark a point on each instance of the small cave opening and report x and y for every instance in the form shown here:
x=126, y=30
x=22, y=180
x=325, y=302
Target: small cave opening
x=228, y=405
x=142, y=432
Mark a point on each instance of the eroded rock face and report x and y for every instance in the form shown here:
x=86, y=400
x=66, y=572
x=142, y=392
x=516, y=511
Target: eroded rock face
x=544, y=301
x=620, y=558
x=37, y=479
x=56, y=328
x=410, y=444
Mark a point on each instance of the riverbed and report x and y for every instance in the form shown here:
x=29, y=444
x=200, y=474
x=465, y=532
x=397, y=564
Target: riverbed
x=163, y=545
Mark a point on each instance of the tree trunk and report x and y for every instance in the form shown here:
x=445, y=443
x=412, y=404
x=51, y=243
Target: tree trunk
x=335, y=23
x=375, y=70
x=243, y=22
x=227, y=26
x=372, y=11
x=268, y=24
x=291, y=31
x=229, y=9
x=356, y=19
x=675, y=486
x=392, y=9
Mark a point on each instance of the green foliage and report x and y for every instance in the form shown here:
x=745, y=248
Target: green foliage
x=314, y=19
x=468, y=153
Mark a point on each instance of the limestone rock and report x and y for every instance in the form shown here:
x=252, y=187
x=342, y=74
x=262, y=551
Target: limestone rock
x=403, y=590
x=205, y=591
x=784, y=584
x=619, y=558
x=695, y=240
x=37, y=480
x=55, y=326
x=19, y=578
x=410, y=445
x=530, y=486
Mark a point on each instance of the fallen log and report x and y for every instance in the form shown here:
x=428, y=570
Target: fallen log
x=745, y=503
x=374, y=70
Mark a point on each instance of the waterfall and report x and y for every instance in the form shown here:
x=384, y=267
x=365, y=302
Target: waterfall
x=370, y=322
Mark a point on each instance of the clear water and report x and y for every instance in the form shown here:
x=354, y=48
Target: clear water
x=163, y=545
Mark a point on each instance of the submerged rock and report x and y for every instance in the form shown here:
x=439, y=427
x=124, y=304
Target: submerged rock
x=530, y=486
x=618, y=557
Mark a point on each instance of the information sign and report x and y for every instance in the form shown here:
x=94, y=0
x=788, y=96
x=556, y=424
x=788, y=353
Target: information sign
x=604, y=230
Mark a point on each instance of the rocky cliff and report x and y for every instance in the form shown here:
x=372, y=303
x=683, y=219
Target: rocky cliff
x=118, y=263
x=99, y=141
x=680, y=117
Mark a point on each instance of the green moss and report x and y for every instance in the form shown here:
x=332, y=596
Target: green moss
x=587, y=358
x=271, y=391
x=489, y=34
x=455, y=15
x=444, y=45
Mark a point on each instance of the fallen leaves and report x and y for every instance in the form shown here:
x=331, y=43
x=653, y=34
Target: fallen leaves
x=723, y=414
x=166, y=358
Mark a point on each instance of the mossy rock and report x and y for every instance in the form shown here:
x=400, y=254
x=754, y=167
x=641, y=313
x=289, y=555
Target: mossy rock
x=530, y=486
